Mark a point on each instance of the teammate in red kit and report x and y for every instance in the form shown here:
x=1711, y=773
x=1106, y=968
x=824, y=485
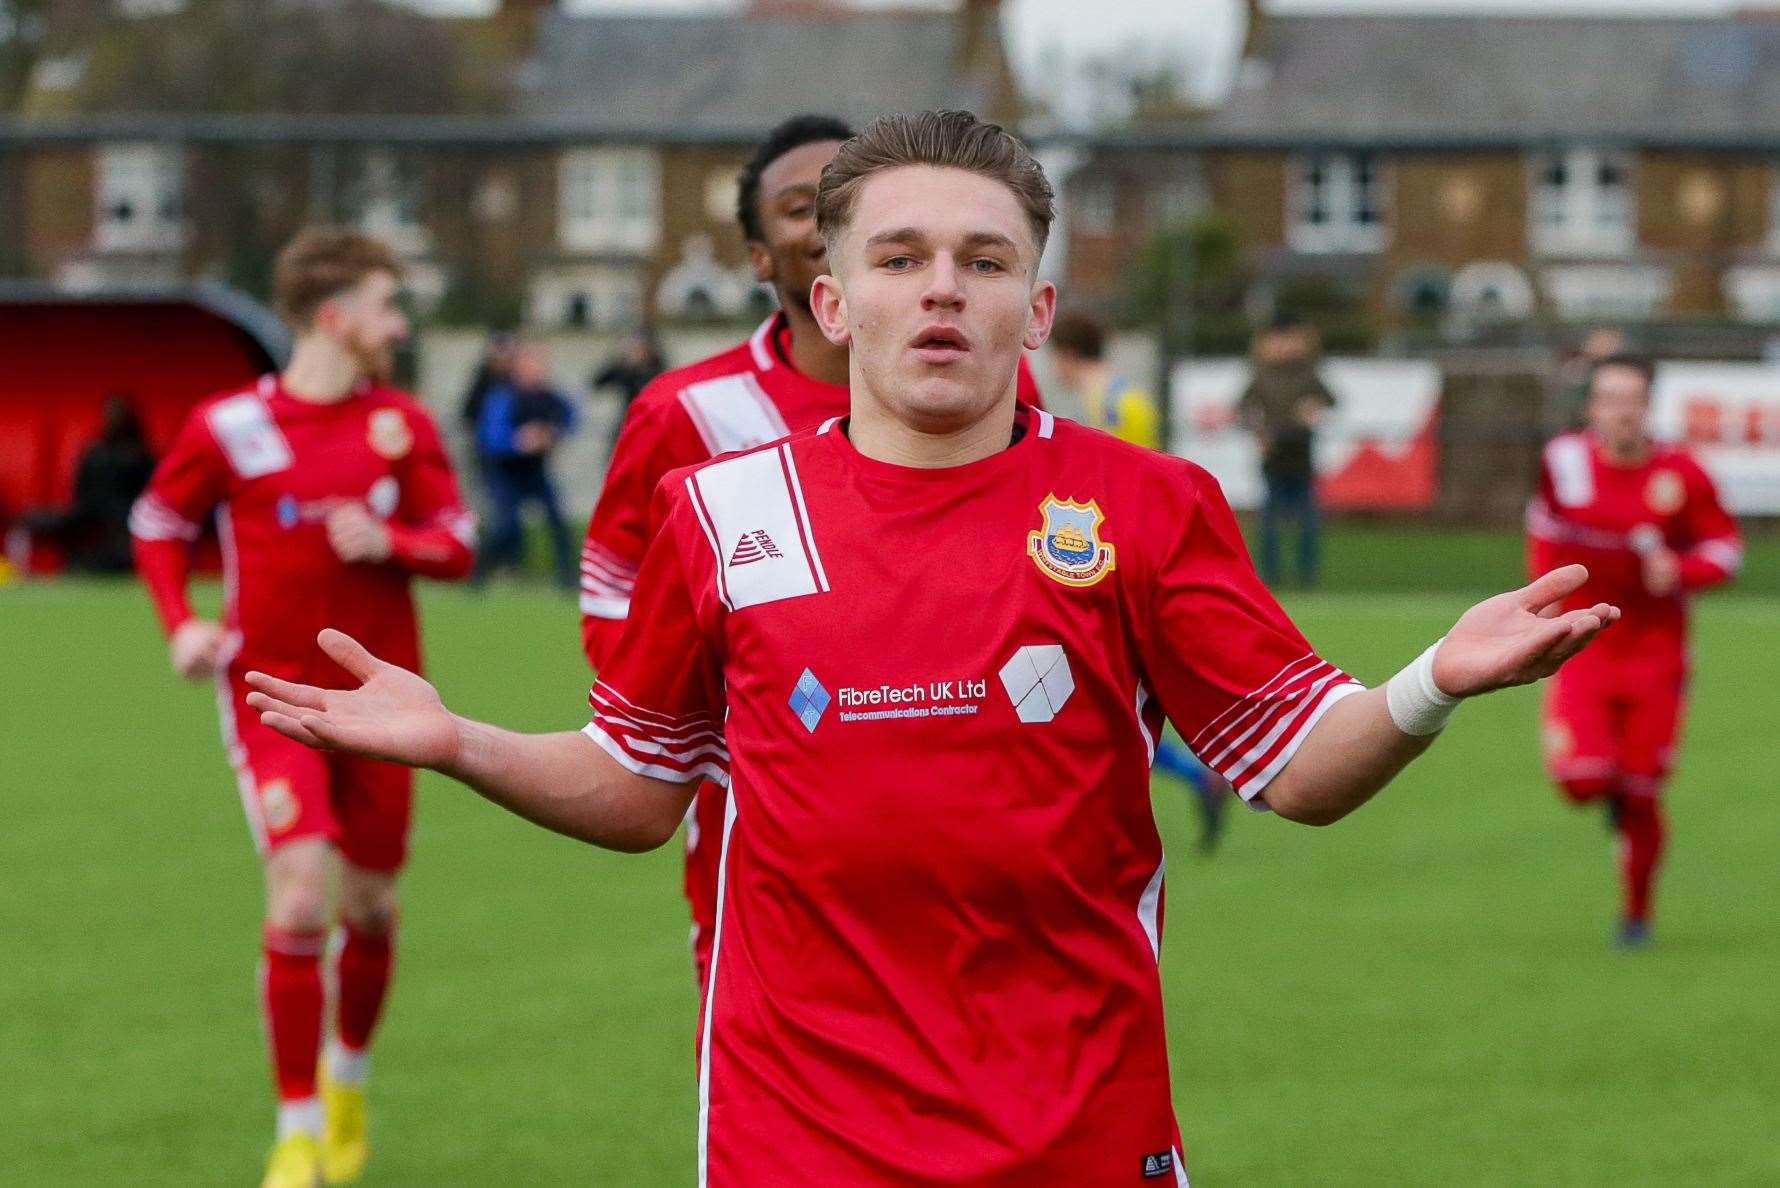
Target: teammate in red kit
x=929, y=646
x=330, y=491
x=1647, y=521
x=785, y=377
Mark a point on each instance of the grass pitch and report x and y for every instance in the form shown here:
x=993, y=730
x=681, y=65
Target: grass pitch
x=1421, y=994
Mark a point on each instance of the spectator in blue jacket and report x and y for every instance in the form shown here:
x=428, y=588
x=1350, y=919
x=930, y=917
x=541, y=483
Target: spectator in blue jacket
x=519, y=423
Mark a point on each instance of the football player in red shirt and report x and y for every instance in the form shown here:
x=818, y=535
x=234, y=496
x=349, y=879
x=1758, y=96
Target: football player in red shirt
x=929, y=646
x=330, y=491
x=1647, y=522
x=785, y=377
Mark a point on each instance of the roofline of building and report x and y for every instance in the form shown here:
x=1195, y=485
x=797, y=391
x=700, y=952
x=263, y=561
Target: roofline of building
x=495, y=133
x=492, y=132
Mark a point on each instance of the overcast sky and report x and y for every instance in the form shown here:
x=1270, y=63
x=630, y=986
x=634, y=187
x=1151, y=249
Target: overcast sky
x=1198, y=36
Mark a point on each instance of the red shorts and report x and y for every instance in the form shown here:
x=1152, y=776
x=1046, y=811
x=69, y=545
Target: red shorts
x=290, y=791
x=1607, y=719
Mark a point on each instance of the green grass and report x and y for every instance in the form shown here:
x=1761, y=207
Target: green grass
x=1422, y=994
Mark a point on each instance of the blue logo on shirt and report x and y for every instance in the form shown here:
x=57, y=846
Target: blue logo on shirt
x=288, y=512
x=809, y=700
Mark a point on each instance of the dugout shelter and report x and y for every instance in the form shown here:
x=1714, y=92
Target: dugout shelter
x=62, y=354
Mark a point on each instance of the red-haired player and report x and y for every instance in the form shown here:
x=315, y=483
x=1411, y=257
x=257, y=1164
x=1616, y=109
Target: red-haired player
x=330, y=491
x=1647, y=522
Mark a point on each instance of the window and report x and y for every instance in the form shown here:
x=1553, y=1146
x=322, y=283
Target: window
x=610, y=200
x=1334, y=204
x=587, y=295
x=384, y=201
x=139, y=194
x=1582, y=202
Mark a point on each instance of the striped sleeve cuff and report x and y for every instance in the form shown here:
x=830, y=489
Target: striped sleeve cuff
x=1252, y=741
x=152, y=519
x=661, y=746
x=607, y=582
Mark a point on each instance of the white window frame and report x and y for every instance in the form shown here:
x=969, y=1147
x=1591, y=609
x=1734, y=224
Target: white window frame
x=385, y=201
x=1584, y=216
x=146, y=178
x=1329, y=197
x=609, y=199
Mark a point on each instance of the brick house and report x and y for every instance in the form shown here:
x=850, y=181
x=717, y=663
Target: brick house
x=1454, y=172
x=584, y=177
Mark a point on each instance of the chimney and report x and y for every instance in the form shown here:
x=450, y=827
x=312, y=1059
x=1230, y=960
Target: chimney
x=1255, y=31
x=982, y=59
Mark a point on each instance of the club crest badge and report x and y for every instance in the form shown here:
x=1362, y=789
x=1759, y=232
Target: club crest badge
x=389, y=434
x=1068, y=548
x=1665, y=493
x=278, y=806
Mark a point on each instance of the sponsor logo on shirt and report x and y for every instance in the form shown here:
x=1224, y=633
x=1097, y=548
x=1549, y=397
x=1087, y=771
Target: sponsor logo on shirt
x=754, y=546
x=1159, y=1164
x=388, y=434
x=809, y=700
x=1067, y=546
x=958, y=697
x=1038, y=682
x=382, y=498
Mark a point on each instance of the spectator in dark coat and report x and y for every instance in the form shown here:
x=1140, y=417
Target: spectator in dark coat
x=1283, y=405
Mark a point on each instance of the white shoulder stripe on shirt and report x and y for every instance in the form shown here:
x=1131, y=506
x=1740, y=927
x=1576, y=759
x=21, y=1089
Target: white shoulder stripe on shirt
x=249, y=437
x=732, y=412
x=753, y=513
x=1572, y=471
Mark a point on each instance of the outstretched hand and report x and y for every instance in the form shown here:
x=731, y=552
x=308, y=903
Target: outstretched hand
x=1518, y=637
x=394, y=714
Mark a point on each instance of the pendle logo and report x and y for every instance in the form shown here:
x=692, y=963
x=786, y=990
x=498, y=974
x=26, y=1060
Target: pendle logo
x=753, y=546
x=1159, y=1164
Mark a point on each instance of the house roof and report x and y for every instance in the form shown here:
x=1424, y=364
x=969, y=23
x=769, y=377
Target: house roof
x=738, y=75
x=1440, y=79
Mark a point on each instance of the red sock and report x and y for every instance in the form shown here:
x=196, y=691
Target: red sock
x=1640, y=849
x=361, y=978
x=291, y=1000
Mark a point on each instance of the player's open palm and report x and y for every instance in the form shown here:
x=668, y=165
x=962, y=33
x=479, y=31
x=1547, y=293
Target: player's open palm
x=1518, y=637
x=394, y=714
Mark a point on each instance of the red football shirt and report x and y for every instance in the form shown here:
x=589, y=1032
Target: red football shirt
x=273, y=467
x=934, y=695
x=744, y=397
x=1592, y=510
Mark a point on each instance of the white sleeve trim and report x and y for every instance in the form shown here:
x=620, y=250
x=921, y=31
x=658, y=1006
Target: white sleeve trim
x=673, y=775
x=598, y=607
x=1256, y=784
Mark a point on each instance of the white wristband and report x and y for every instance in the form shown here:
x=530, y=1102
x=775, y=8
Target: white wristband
x=1417, y=705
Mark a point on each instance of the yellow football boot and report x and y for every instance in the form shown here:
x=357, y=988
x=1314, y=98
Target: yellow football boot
x=343, y=1145
x=295, y=1163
